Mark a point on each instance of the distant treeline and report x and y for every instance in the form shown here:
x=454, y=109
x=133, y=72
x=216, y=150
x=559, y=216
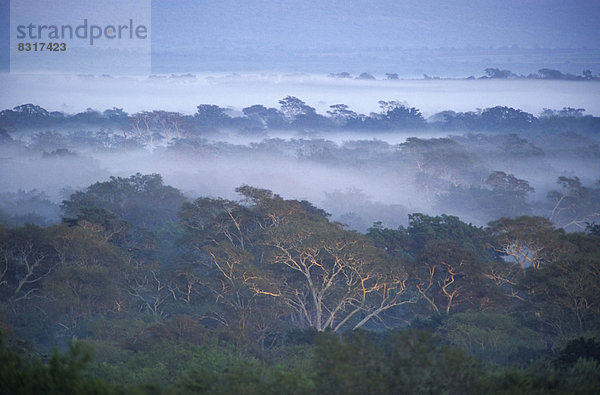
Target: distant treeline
x=295, y=114
x=490, y=72
x=479, y=176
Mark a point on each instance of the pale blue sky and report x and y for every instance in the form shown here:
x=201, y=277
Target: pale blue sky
x=369, y=35
x=359, y=23
x=317, y=35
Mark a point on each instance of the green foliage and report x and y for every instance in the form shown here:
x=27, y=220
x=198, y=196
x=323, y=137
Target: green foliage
x=576, y=349
x=529, y=241
x=403, y=362
x=247, y=376
x=450, y=262
x=423, y=229
x=272, y=261
x=142, y=200
x=583, y=377
x=564, y=290
x=493, y=336
x=413, y=362
x=26, y=257
x=274, y=279
x=83, y=283
x=574, y=205
x=540, y=378
x=396, y=115
x=214, y=367
x=62, y=374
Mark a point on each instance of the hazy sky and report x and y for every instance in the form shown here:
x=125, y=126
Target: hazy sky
x=316, y=35
x=368, y=23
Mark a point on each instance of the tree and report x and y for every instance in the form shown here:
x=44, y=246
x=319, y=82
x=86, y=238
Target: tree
x=513, y=145
x=365, y=76
x=343, y=74
x=89, y=116
x=551, y=74
x=440, y=163
x=211, y=116
x=344, y=117
x=172, y=125
x=142, y=200
x=115, y=114
x=499, y=118
x=61, y=374
x=571, y=112
x=300, y=114
x=497, y=337
x=27, y=258
x=574, y=205
x=508, y=194
x=89, y=277
x=396, y=114
x=218, y=238
x=25, y=115
x=563, y=292
x=270, y=118
x=529, y=241
x=151, y=126
x=497, y=73
x=423, y=229
x=449, y=262
x=587, y=75
x=150, y=290
x=331, y=275
x=411, y=362
x=141, y=129
x=503, y=118
x=292, y=108
x=576, y=349
x=449, y=277
x=286, y=251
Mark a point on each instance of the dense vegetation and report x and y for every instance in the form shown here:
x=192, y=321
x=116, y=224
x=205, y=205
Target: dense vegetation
x=133, y=286
x=480, y=165
x=151, y=127
x=492, y=73
x=261, y=293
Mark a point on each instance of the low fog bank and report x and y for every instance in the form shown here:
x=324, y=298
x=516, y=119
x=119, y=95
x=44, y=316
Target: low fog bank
x=215, y=169
x=362, y=167
x=359, y=179
x=182, y=93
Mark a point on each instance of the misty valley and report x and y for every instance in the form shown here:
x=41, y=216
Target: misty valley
x=290, y=249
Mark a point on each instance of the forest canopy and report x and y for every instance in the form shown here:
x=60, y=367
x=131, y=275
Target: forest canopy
x=463, y=257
